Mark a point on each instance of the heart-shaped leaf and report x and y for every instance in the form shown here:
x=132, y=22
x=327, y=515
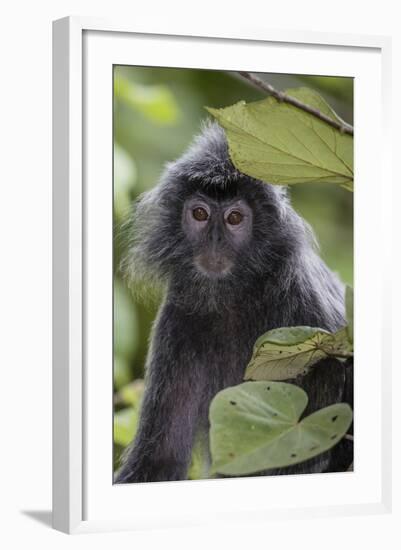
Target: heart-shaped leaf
x=285, y=353
x=255, y=426
x=279, y=143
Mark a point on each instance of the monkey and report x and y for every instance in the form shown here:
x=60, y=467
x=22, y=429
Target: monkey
x=235, y=260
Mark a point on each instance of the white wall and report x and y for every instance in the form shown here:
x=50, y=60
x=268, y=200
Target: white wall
x=25, y=121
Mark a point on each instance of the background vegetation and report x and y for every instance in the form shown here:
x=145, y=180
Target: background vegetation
x=156, y=114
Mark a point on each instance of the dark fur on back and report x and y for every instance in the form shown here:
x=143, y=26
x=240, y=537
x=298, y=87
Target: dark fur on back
x=206, y=328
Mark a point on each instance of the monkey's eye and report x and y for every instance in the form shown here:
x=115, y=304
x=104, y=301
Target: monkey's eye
x=200, y=214
x=235, y=217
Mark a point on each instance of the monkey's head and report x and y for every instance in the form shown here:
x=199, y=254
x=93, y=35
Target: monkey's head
x=208, y=227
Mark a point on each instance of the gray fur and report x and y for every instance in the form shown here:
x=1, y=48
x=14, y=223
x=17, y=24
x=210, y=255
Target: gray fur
x=206, y=327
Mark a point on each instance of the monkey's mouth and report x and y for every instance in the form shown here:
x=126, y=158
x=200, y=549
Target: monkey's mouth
x=213, y=265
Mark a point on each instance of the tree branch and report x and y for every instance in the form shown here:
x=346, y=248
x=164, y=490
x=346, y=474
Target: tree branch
x=342, y=126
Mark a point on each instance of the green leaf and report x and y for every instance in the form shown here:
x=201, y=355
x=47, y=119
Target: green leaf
x=200, y=461
x=131, y=394
x=286, y=353
x=126, y=420
x=349, y=311
x=281, y=144
x=125, y=425
x=255, y=426
x=122, y=372
x=126, y=329
x=124, y=180
x=154, y=101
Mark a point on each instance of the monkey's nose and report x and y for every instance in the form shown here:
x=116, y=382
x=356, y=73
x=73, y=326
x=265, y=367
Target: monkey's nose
x=213, y=265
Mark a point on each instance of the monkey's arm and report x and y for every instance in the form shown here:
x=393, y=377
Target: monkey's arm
x=162, y=448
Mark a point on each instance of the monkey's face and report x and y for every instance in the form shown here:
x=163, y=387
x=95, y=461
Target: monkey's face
x=208, y=231
x=218, y=231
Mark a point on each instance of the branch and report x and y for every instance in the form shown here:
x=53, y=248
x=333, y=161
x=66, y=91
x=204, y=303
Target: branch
x=281, y=96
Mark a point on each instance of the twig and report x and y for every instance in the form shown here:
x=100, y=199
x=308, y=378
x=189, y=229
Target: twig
x=281, y=96
x=349, y=437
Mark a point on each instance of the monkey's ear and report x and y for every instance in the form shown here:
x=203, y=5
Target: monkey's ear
x=277, y=192
x=282, y=190
x=280, y=194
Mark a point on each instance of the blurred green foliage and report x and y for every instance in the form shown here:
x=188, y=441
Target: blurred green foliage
x=157, y=111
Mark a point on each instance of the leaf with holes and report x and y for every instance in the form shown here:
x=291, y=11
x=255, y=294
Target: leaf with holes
x=256, y=426
x=281, y=144
x=349, y=311
x=285, y=353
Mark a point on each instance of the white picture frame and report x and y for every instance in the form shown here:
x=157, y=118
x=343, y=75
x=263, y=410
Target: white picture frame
x=84, y=498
